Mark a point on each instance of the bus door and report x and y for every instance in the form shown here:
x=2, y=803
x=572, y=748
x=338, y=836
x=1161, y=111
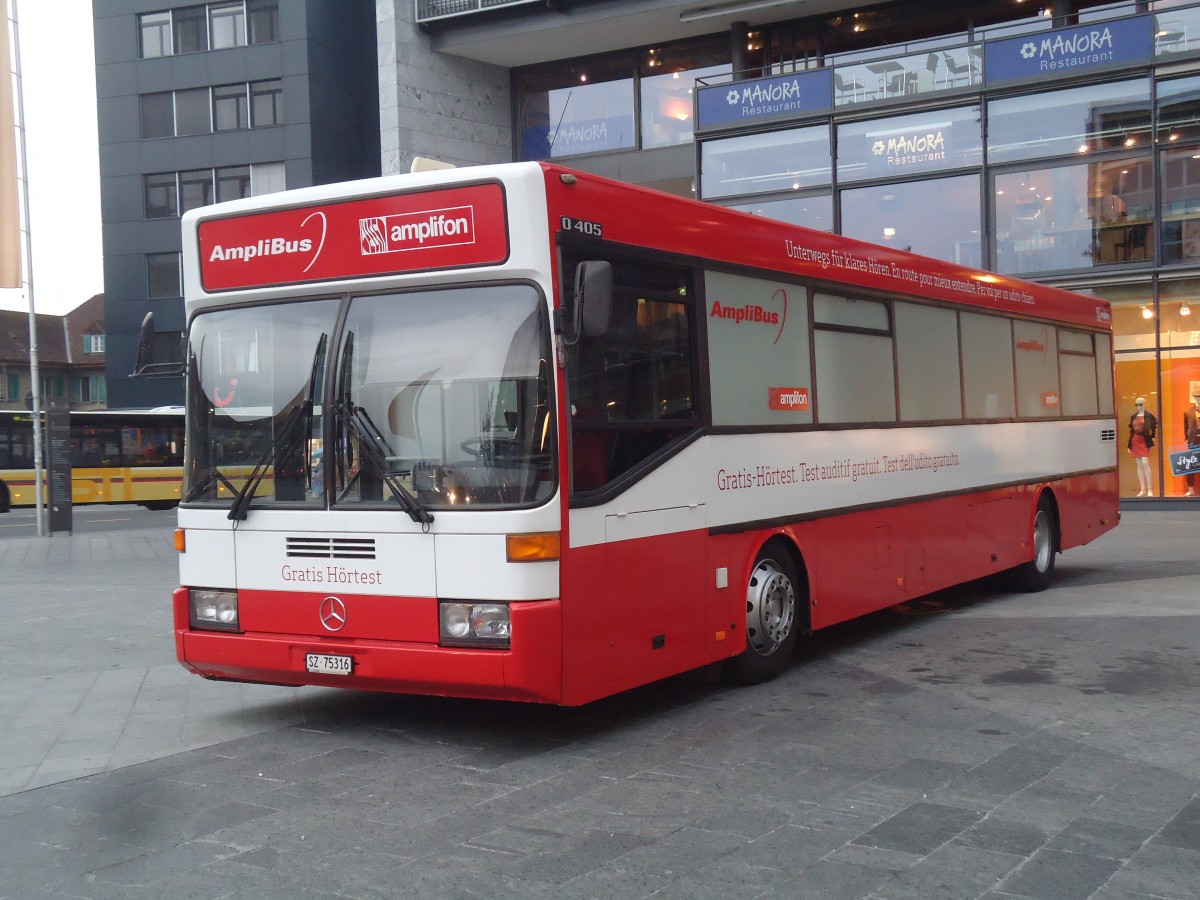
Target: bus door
x=640, y=522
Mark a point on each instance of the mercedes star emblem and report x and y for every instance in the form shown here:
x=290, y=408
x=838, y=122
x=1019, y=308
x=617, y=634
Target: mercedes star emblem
x=333, y=613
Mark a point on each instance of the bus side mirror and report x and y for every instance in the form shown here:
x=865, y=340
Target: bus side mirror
x=144, y=363
x=591, y=308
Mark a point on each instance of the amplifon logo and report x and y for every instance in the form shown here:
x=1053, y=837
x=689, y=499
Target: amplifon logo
x=417, y=230
x=788, y=398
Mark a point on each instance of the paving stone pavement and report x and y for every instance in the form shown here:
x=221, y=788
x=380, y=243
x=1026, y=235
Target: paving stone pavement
x=975, y=744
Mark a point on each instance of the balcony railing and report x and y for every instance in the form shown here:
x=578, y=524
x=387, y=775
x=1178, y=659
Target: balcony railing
x=433, y=10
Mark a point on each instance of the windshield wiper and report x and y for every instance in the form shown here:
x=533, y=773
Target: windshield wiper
x=371, y=439
x=301, y=412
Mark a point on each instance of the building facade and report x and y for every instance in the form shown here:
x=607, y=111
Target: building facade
x=200, y=102
x=1059, y=142
x=71, y=358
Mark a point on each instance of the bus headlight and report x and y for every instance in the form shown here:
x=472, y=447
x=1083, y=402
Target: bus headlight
x=213, y=610
x=474, y=624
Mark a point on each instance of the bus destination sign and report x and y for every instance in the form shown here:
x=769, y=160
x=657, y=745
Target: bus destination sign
x=460, y=226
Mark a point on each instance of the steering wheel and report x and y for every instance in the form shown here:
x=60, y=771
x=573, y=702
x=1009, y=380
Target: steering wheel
x=498, y=447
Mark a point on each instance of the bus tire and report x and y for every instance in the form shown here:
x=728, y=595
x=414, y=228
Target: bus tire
x=1035, y=575
x=5, y=500
x=159, y=504
x=773, y=596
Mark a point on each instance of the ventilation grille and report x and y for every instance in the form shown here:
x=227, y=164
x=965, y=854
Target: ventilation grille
x=330, y=548
x=1107, y=435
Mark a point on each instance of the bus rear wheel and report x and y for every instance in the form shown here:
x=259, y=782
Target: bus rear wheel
x=772, y=619
x=1035, y=575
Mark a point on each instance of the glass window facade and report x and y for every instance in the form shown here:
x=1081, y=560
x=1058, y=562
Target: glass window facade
x=162, y=276
x=666, y=86
x=584, y=107
x=760, y=163
x=897, y=215
x=212, y=26
x=1069, y=122
x=1082, y=175
x=904, y=146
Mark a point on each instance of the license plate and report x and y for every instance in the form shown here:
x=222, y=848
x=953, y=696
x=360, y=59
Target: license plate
x=329, y=665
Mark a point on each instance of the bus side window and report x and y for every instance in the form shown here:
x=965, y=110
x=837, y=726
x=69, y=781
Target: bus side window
x=632, y=389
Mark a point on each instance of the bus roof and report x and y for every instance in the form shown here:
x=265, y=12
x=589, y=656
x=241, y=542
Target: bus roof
x=487, y=217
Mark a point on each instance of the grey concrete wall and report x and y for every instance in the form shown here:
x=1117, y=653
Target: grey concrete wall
x=436, y=105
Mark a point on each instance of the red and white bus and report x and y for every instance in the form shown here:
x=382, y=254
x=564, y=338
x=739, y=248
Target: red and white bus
x=524, y=433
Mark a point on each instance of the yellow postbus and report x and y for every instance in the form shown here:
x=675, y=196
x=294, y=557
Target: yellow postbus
x=117, y=456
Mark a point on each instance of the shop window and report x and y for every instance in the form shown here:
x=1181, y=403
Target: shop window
x=1176, y=31
x=1179, y=170
x=1069, y=122
x=909, y=145
x=1178, y=313
x=582, y=106
x=666, y=83
x=899, y=215
x=1074, y=217
x=1178, y=104
x=760, y=163
x=813, y=211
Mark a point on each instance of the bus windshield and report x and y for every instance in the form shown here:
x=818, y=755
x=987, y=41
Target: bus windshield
x=421, y=401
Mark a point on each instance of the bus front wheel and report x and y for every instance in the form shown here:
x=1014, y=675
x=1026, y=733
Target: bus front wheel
x=1035, y=575
x=772, y=619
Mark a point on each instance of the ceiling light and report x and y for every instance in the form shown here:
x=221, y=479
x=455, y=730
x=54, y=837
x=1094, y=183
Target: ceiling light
x=1147, y=312
x=1185, y=310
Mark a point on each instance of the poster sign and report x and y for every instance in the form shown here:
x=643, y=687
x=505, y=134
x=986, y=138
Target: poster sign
x=58, y=444
x=432, y=229
x=763, y=99
x=1185, y=462
x=1069, y=51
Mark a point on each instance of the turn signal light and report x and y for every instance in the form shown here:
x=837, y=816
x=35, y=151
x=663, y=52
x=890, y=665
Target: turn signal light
x=180, y=540
x=533, y=547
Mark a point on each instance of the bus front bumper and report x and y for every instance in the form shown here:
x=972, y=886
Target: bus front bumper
x=529, y=670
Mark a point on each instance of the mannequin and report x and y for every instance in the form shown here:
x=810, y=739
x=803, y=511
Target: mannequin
x=1143, y=428
x=1191, y=429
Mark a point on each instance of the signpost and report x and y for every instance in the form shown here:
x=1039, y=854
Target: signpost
x=58, y=439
